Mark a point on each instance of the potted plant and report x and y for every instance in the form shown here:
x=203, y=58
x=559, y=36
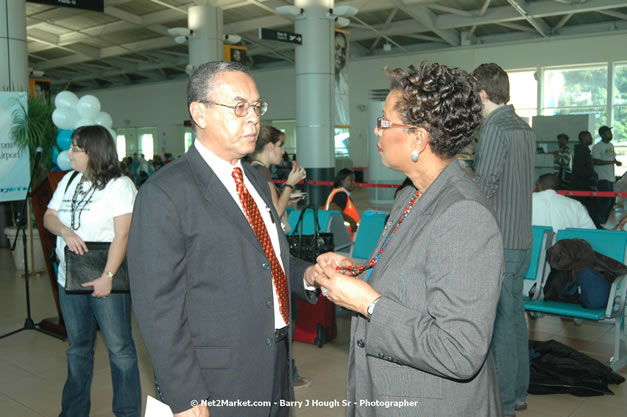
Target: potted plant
x=33, y=128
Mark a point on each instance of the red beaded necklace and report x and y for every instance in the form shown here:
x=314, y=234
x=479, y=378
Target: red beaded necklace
x=357, y=271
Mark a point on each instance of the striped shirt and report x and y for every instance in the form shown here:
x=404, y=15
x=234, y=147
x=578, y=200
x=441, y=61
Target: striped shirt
x=504, y=168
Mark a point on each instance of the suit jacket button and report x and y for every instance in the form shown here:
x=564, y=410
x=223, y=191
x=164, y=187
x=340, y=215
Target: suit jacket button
x=380, y=355
x=269, y=303
x=269, y=342
x=265, y=265
x=361, y=343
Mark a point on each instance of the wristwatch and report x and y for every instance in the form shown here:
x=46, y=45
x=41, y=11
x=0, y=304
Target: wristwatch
x=110, y=274
x=370, y=307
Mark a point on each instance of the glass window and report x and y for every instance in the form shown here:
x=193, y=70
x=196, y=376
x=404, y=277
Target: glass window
x=523, y=93
x=188, y=138
x=146, y=141
x=620, y=103
x=147, y=145
x=342, y=140
x=120, y=146
x=576, y=91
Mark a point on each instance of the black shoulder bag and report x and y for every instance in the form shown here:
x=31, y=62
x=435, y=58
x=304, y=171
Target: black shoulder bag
x=308, y=247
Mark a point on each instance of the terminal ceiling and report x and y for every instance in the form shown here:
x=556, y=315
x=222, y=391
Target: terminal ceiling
x=129, y=43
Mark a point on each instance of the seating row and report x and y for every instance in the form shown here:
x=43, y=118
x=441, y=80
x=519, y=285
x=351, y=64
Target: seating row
x=606, y=242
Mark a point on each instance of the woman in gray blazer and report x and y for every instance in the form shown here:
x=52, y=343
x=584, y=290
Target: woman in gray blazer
x=426, y=300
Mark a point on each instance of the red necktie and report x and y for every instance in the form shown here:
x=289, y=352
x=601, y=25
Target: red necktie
x=259, y=227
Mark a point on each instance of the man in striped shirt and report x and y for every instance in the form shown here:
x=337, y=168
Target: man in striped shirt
x=504, y=170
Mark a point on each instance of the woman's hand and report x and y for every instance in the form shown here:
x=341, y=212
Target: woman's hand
x=73, y=241
x=335, y=259
x=621, y=223
x=296, y=175
x=343, y=290
x=102, y=286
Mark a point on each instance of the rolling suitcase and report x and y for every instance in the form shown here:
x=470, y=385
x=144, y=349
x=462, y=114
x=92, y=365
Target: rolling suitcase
x=316, y=322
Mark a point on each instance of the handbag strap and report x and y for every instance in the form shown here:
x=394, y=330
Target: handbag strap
x=299, y=227
x=74, y=174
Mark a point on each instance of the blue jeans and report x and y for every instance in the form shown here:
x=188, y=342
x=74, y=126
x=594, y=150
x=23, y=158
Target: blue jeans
x=605, y=203
x=83, y=314
x=510, y=345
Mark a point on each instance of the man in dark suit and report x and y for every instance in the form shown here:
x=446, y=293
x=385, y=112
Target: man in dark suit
x=210, y=267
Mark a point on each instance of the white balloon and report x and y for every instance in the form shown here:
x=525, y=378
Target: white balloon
x=103, y=119
x=65, y=99
x=88, y=106
x=64, y=118
x=63, y=161
x=113, y=134
x=83, y=122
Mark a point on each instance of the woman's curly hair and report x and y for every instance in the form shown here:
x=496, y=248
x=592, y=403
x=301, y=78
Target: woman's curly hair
x=444, y=101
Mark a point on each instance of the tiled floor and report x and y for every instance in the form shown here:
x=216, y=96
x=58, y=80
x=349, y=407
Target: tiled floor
x=33, y=367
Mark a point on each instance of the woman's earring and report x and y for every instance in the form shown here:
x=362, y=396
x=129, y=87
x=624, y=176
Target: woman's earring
x=414, y=155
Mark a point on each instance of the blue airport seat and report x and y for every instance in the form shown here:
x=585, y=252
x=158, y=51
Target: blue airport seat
x=542, y=239
x=612, y=244
x=370, y=227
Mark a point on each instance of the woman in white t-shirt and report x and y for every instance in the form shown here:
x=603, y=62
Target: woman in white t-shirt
x=94, y=203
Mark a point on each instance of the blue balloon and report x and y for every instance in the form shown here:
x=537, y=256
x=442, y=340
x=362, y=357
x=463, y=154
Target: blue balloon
x=55, y=154
x=64, y=139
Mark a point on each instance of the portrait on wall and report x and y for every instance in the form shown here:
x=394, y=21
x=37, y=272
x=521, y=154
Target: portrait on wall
x=39, y=87
x=341, y=78
x=235, y=53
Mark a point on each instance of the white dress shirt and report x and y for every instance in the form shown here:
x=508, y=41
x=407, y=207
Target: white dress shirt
x=224, y=171
x=559, y=212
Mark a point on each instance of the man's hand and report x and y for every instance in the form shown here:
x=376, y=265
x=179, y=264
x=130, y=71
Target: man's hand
x=198, y=411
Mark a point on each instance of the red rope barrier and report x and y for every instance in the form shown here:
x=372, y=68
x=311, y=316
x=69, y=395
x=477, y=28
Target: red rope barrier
x=563, y=192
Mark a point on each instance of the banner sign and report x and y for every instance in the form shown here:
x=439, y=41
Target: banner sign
x=95, y=5
x=14, y=164
x=280, y=35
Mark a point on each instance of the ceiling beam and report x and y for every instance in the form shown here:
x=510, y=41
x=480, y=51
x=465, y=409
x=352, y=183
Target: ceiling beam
x=561, y=23
x=133, y=47
x=427, y=18
x=611, y=13
x=123, y=15
x=388, y=20
x=538, y=24
x=516, y=26
x=536, y=9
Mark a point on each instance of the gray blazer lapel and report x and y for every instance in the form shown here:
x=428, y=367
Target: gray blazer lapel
x=416, y=219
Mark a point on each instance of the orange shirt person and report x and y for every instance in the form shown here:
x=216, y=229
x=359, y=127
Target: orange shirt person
x=340, y=199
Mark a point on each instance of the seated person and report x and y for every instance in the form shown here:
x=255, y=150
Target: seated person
x=556, y=210
x=340, y=199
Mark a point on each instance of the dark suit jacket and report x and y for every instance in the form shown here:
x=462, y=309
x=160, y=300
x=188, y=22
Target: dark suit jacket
x=201, y=288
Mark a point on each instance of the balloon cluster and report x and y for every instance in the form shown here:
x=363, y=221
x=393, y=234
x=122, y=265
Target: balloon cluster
x=70, y=113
